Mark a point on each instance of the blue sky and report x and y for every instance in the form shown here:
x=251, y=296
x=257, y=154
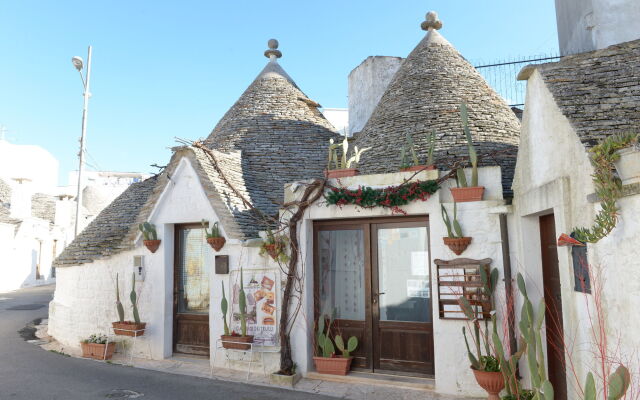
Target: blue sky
x=166, y=69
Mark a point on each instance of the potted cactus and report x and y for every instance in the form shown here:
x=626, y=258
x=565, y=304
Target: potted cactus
x=234, y=340
x=464, y=191
x=98, y=347
x=214, y=237
x=128, y=328
x=150, y=236
x=343, y=166
x=328, y=362
x=409, y=159
x=454, y=239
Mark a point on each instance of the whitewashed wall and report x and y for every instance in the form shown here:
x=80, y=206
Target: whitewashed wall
x=553, y=174
x=479, y=220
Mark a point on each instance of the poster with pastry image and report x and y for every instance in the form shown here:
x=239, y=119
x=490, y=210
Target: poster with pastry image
x=262, y=311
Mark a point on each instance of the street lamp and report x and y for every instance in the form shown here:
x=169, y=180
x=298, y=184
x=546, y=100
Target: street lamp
x=78, y=64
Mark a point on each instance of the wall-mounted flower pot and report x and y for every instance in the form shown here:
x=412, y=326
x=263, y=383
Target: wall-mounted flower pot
x=340, y=173
x=97, y=351
x=332, y=365
x=216, y=242
x=457, y=245
x=152, y=245
x=129, y=328
x=464, y=194
x=628, y=166
x=273, y=250
x=415, y=168
x=492, y=382
x=236, y=342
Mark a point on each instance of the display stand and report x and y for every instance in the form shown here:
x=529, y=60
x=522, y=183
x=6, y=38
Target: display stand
x=136, y=333
x=253, y=348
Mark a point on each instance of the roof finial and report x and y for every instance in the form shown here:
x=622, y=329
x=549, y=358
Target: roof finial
x=431, y=22
x=272, y=53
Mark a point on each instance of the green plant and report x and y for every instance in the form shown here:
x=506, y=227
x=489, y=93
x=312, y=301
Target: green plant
x=242, y=303
x=276, y=244
x=214, y=232
x=148, y=231
x=473, y=155
x=619, y=382
x=119, y=306
x=352, y=344
x=224, y=304
x=390, y=197
x=343, y=162
x=454, y=230
x=524, y=394
x=323, y=338
x=134, y=300
x=432, y=146
x=97, y=339
x=408, y=156
x=509, y=367
x=608, y=187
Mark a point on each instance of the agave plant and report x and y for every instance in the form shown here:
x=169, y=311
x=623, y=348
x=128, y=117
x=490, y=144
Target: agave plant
x=473, y=155
x=148, y=231
x=344, y=162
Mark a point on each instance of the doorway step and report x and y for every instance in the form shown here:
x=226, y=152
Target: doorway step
x=369, y=378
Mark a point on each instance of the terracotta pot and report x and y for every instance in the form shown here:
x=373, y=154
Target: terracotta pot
x=152, y=245
x=414, y=168
x=492, y=382
x=457, y=245
x=332, y=365
x=628, y=165
x=340, y=173
x=273, y=250
x=216, y=242
x=236, y=342
x=97, y=351
x=125, y=328
x=464, y=194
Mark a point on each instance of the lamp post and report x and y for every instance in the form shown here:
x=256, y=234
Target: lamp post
x=78, y=64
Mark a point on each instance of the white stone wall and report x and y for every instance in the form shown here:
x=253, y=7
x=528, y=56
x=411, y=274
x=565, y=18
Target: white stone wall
x=367, y=83
x=553, y=174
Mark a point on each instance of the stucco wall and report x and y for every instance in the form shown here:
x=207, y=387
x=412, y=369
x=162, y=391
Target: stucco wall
x=553, y=175
x=367, y=83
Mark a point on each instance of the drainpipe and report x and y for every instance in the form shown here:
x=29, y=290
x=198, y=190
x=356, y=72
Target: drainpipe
x=508, y=283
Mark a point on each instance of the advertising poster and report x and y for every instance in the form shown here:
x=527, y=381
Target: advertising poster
x=262, y=309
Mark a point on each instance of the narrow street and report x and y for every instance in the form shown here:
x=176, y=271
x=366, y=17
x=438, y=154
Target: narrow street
x=31, y=373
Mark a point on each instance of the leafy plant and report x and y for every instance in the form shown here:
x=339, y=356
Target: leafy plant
x=148, y=231
x=134, y=300
x=276, y=244
x=119, y=306
x=343, y=162
x=323, y=337
x=224, y=305
x=351, y=346
x=214, y=232
x=432, y=146
x=97, y=339
x=619, y=382
x=454, y=230
x=608, y=187
x=473, y=155
x=408, y=156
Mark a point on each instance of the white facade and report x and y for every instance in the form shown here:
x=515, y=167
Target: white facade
x=28, y=162
x=339, y=118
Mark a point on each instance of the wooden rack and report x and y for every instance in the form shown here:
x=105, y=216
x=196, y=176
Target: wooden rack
x=461, y=277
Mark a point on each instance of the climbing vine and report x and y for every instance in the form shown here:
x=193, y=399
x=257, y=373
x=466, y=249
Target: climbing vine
x=608, y=186
x=390, y=197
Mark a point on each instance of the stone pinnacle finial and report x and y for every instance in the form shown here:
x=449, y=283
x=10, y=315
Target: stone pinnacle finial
x=272, y=53
x=431, y=22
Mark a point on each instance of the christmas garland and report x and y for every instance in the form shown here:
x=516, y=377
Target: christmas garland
x=390, y=197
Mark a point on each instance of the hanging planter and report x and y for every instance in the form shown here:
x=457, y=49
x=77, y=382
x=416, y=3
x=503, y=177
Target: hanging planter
x=150, y=235
x=457, y=245
x=214, y=237
x=466, y=194
x=455, y=240
x=216, y=243
x=275, y=246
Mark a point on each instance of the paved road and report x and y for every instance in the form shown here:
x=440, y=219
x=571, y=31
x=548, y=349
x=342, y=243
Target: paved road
x=31, y=373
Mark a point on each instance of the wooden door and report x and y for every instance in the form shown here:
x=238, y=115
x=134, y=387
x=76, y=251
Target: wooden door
x=191, y=291
x=553, y=300
x=354, y=259
x=401, y=298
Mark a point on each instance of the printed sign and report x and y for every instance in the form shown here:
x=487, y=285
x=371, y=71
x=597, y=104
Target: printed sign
x=262, y=316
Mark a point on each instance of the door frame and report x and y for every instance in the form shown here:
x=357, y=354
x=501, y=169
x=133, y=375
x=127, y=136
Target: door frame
x=366, y=224
x=176, y=281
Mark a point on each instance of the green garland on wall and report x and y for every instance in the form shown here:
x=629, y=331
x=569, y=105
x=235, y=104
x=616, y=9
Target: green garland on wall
x=607, y=186
x=390, y=197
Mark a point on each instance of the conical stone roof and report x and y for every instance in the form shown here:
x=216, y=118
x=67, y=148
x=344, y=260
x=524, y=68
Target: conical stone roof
x=280, y=134
x=425, y=94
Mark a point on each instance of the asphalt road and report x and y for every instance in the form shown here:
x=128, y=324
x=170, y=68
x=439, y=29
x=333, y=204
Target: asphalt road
x=31, y=373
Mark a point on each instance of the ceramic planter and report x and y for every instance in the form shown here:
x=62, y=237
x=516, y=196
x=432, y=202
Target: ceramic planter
x=340, y=173
x=415, y=168
x=236, y=342
x=628, y=166
x=152, y=245
x=332, y=365
x=97, y=351
x=216, y=242
x=464, y=194
x=284, y=380
x=492, y=382
x=126, y=328
x=457, y=245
